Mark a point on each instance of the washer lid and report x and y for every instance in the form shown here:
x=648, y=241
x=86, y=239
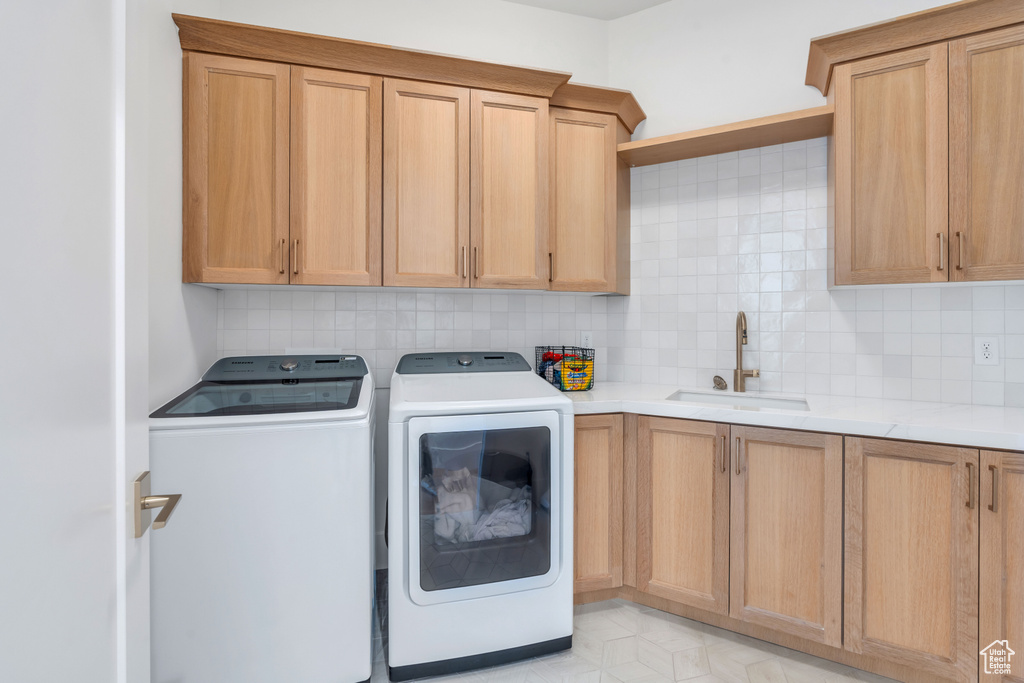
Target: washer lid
x=242, y=386
x=218, y=399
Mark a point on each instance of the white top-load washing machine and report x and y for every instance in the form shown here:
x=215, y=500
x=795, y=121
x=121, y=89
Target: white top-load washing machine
x=263, y=573
x=480, y=483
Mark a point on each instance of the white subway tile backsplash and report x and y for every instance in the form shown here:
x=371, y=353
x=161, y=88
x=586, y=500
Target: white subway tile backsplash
x=926, y=299
x=925, y=345
x=258, y=318
x=710, y=236
x=957, y=299
x=302, y=301
x=1014, y=297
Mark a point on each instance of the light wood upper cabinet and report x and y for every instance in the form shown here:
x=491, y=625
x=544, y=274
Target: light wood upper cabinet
x=426, y=184
x=682, y=499
x=298, y=172
x=509, y=191
x=890, y=172
x=929, y=163
x=597, y=544
x=1002, y=559
x=282, y=174
x=586, y=230
x=236, y=170
x=786, y=532
x=911, y=555
x=465, y=187
x=986, y=76
x=335, y=178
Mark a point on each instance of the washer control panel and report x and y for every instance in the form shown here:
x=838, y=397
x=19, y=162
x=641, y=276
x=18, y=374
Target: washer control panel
x=461, y=362
x=301, y=367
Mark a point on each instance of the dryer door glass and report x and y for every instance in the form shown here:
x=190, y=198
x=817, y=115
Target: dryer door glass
x=484, y=506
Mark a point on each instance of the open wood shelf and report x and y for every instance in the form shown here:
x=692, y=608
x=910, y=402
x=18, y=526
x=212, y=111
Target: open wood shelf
x=768, y=130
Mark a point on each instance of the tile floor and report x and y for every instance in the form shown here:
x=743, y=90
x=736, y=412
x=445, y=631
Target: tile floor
x=617, y=641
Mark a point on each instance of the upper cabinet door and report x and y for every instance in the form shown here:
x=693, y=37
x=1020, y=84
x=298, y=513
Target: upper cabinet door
x=236, y=170
x=583, y=201
x=787, y=532
x=509, y=191
x=335, y=178
x=1002, y=562
x=911, y=556
x=891, y=168
x=986, y=99
x=426, y=184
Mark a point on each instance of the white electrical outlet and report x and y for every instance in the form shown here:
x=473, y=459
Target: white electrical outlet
x=986, y=351
x=587, y=340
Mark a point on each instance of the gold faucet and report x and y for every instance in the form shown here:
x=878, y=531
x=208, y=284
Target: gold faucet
x=739, y=375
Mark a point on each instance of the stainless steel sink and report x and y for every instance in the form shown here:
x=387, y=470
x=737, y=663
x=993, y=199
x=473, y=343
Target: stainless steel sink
x=736, y=400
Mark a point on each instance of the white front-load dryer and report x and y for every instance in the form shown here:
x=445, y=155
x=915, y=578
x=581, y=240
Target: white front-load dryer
x=264, y=570
x=480, y=483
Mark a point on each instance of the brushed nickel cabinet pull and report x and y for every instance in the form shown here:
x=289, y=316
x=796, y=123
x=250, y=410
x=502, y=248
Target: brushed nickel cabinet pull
x=551, y=268
x=942, y=259
x=465, y=261
x=723, y=454
x=738, y=447
x=970, y=484
x=994, y=506
x=283, y=240
x=476, y=263
x=295, y=257
x=960, y=251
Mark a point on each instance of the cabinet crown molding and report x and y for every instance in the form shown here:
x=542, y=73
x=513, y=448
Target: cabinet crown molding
x=911, y=30
x=306, y=49
x=621, y=103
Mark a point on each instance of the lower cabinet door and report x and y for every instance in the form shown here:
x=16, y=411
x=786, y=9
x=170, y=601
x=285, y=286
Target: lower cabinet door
x=911, y=555
x=786, y=532
x=597, y=546
x=682, y=501
x=1002, y=568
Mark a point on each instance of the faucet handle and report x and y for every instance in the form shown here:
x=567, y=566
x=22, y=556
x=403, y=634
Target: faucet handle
x=755, y=373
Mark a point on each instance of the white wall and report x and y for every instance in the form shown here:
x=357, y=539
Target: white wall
x=182, y=318
x=694, y=63
x=57, y=335
x=133, y=554
x=489, y=30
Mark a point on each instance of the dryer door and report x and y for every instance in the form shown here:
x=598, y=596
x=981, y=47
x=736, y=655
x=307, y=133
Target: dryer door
x=484, y=505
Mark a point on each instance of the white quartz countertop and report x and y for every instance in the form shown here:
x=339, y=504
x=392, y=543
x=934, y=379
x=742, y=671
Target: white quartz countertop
x=945, y=423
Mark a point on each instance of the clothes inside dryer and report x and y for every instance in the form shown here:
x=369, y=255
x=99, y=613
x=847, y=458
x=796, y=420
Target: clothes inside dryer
x=484, y=498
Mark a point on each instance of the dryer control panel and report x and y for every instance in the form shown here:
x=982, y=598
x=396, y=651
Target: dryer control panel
x=304, y=368
x=461, y=362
